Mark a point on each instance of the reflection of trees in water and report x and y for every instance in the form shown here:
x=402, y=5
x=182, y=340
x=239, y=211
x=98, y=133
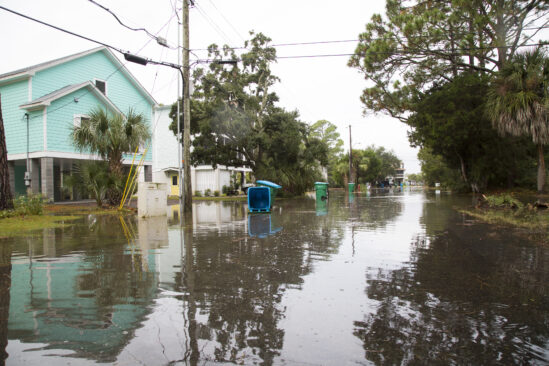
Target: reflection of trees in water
x=462, y=301
x=369, y=212
x=5, y=283
x=238, y=282
x=377, y=213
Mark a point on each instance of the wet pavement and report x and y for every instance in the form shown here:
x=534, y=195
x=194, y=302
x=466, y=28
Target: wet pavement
x=381, y=278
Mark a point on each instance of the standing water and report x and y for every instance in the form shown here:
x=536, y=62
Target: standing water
x=381, y=278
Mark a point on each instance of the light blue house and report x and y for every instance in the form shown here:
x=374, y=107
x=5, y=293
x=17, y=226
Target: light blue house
x=41, y=104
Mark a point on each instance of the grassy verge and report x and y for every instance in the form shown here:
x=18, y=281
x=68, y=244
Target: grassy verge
x=536, y=220
x=84, y=210
x=22, y=225
x=220, y=198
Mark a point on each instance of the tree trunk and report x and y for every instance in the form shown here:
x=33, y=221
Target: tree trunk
x=6, y=198
x=114, y=194
x=541, y=168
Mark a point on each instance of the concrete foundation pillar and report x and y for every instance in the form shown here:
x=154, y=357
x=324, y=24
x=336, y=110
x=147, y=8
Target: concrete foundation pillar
x=35, y=176
x=46, y=165
x=11, y=171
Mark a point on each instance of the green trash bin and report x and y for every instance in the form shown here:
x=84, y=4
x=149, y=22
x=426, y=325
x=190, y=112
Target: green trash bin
x=321, y=189
x=351, y=187
x=273, y=188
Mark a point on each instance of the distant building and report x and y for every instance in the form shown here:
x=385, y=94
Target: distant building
x=42, y=103
x=399, y=175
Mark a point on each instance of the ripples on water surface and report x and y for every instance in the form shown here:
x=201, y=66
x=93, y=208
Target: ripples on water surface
x=387, y=278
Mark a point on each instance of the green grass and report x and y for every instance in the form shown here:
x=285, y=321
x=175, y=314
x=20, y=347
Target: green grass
x=226, y=198
x=24, y=225
x=213, y=198
x=535, y=220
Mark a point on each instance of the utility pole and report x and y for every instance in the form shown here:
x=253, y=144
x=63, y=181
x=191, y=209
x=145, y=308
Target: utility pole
x=187, y=191
x=179, y=137
x=350, y=157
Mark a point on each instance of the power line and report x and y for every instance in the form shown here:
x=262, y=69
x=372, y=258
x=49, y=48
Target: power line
x=212, y=23
x=119, y=50
x=119, y=21
x=400, y=52
x=350, y=40
x=227, y=21
x=122, y=65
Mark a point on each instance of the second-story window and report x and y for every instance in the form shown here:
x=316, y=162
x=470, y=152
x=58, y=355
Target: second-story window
x=101, y=85
x=78, y=118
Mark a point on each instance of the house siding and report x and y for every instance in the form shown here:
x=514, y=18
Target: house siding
x=120, y=90
x=61, y=114
x=15, y=124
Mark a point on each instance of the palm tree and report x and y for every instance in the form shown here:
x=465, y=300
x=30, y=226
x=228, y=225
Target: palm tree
x=518, y=102
x=91, y=177
x=111, y=136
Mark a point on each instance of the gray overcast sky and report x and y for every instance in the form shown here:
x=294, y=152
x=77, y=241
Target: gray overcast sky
x=319, y=88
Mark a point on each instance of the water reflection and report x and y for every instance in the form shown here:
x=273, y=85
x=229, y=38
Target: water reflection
x=262, y=225
x=5, y=283
x=470, y=295
x=389, y=278
x=88, y=301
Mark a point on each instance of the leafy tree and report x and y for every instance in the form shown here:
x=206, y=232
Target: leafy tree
x=434, y=170
x=292, y=156
x=236, y=121
x=230, y=106
x=450, y=120
x=327, y=133
x=518, y=102
x=110, y=136
x=419, y=43
x=93, y=178
x=415, y=177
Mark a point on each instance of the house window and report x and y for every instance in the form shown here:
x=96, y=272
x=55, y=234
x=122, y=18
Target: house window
x=78, y=118
x=101, y=85
x=174, y=180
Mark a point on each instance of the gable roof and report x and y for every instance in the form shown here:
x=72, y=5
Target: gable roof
x=46, y=100
x=29, y=71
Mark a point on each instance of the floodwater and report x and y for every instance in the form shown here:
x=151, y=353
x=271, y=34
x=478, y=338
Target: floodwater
x=381, y=278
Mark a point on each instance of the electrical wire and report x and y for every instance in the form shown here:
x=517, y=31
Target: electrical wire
x=119, y=21
x=347, y=40
x=214, y=26
x=122, y=65
x=227, y=21
x=398, y=52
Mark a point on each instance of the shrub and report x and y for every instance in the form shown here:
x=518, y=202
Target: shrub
x=503, y=201
x=208, y=193
x=225, y=190
x=25, y=206
x=32, y=204
x=197, y=194
x=216, y=193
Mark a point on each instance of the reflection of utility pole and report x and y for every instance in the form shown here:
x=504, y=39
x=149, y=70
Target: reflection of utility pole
x=187, y=191
x=350, y=157
x=189, y=280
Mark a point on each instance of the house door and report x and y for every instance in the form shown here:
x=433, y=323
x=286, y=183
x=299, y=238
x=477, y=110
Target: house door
x=175, y=185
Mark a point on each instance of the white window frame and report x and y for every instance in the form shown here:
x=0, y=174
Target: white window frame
x=103, y=81
x=77, y=119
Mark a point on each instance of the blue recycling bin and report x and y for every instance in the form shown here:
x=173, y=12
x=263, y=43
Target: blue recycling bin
x=259, y=199
x=273, y=187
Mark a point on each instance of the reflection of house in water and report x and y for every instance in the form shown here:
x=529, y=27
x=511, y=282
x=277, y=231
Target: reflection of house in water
x=212, y=214
x=89, y=302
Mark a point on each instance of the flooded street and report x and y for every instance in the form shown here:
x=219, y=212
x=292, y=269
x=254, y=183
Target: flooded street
x=385, y=278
